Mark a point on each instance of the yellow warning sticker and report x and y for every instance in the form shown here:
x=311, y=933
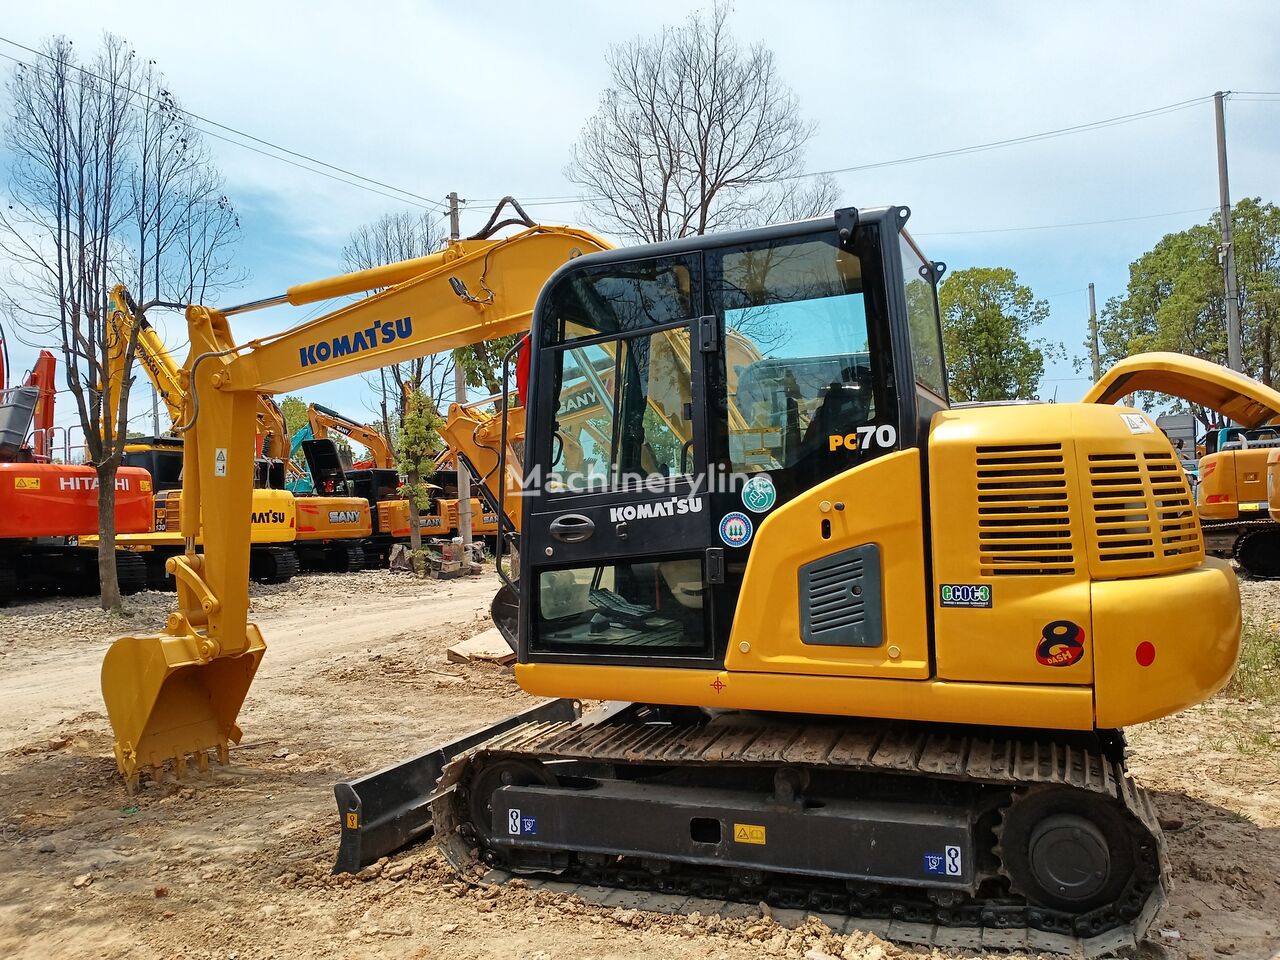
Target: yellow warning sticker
x=145, y=486
x=353, y=820
x=26, y=483
x=748, y=833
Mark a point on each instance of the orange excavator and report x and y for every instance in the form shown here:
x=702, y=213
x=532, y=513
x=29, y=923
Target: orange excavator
x=45, y=505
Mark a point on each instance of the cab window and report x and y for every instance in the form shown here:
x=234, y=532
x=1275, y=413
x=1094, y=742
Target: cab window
x=799, y=376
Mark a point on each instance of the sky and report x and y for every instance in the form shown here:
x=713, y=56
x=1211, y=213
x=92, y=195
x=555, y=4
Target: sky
x=487, y=99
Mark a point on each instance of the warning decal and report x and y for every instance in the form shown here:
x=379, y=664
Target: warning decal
x=748, y=833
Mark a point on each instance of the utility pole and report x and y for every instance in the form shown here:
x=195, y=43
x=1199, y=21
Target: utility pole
x=155, y=411
x=1228, y=252
x=1093, y=338
x=460, y=396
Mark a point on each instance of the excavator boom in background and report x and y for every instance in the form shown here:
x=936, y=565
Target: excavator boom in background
x=863, y=652
x=322, y=419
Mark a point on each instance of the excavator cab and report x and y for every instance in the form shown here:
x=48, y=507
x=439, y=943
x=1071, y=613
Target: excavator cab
x=640, y=517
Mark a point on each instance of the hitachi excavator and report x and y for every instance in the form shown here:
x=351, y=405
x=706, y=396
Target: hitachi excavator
x=316, y=533
x=862, y=653
x=44, y=505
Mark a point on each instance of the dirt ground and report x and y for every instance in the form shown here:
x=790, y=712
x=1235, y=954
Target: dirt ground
x=235, y=865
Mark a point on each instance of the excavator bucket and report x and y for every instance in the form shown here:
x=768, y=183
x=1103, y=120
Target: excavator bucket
x=166, y=703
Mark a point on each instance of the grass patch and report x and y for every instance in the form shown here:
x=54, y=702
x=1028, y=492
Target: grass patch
x=1249, y=722
x=1257, y=675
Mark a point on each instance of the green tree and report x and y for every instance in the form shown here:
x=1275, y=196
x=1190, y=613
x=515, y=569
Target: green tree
x=295, y=413
x=988, y=323
x=1175, y=299
x=416, y=447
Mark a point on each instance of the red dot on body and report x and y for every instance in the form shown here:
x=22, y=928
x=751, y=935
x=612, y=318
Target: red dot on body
x=1146, y=653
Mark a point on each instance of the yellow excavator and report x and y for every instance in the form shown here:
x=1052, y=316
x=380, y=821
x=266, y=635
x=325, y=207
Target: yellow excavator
x=860, y=652
x=316, y=533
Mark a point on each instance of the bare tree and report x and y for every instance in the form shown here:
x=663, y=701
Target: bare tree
x=186, y=226
x=695, y=133
x=100, y=189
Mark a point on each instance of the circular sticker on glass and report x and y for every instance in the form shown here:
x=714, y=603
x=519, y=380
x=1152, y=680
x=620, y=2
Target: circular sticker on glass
x=759, y=494
x=735, y=529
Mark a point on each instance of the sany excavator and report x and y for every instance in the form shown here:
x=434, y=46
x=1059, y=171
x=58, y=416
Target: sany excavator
x=322, y=419
x=44, y=504
x=315, y=533
x=377, y=476
x=861, y=652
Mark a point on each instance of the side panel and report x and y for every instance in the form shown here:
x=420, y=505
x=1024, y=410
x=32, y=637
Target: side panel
x=329, y=518
x=393, y=518
x=1216, y=497
x=273, y=516
x=877, y=503
x=1008, y=547
x=1251, y=479
x=931, y=701
x=61, y=500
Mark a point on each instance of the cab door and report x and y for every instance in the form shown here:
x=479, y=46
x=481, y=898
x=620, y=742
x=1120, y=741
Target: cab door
x=618, y=561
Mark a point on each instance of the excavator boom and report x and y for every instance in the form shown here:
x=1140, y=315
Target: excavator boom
x=178, y=693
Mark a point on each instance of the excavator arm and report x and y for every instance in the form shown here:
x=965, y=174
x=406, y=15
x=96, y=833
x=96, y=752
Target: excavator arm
x=164, y=374
x=178, y=693
x=151, y=352
x=323, y=419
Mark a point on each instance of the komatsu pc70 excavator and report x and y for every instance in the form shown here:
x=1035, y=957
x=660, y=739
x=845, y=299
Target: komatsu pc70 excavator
x=863, y=653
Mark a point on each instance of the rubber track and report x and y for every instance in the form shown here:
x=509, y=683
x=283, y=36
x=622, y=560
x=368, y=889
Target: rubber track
x=1241, y=528
x=869, y=748
x=131, y=572
x=285, y=562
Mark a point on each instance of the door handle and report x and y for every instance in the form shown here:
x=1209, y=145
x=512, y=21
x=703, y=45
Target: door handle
x=572, y=528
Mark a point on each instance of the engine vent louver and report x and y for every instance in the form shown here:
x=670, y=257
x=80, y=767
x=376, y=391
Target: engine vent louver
x=840, y=601
x=1024, y=511
x=1142, y=507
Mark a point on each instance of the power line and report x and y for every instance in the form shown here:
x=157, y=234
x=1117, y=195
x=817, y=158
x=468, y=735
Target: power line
x=1058, y=226
x=1016, y=141
x=434, y=204
x=952, y=152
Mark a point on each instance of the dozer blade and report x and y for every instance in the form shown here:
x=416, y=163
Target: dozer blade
x=166, y=704
x=505, y=612
x=384, y=811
